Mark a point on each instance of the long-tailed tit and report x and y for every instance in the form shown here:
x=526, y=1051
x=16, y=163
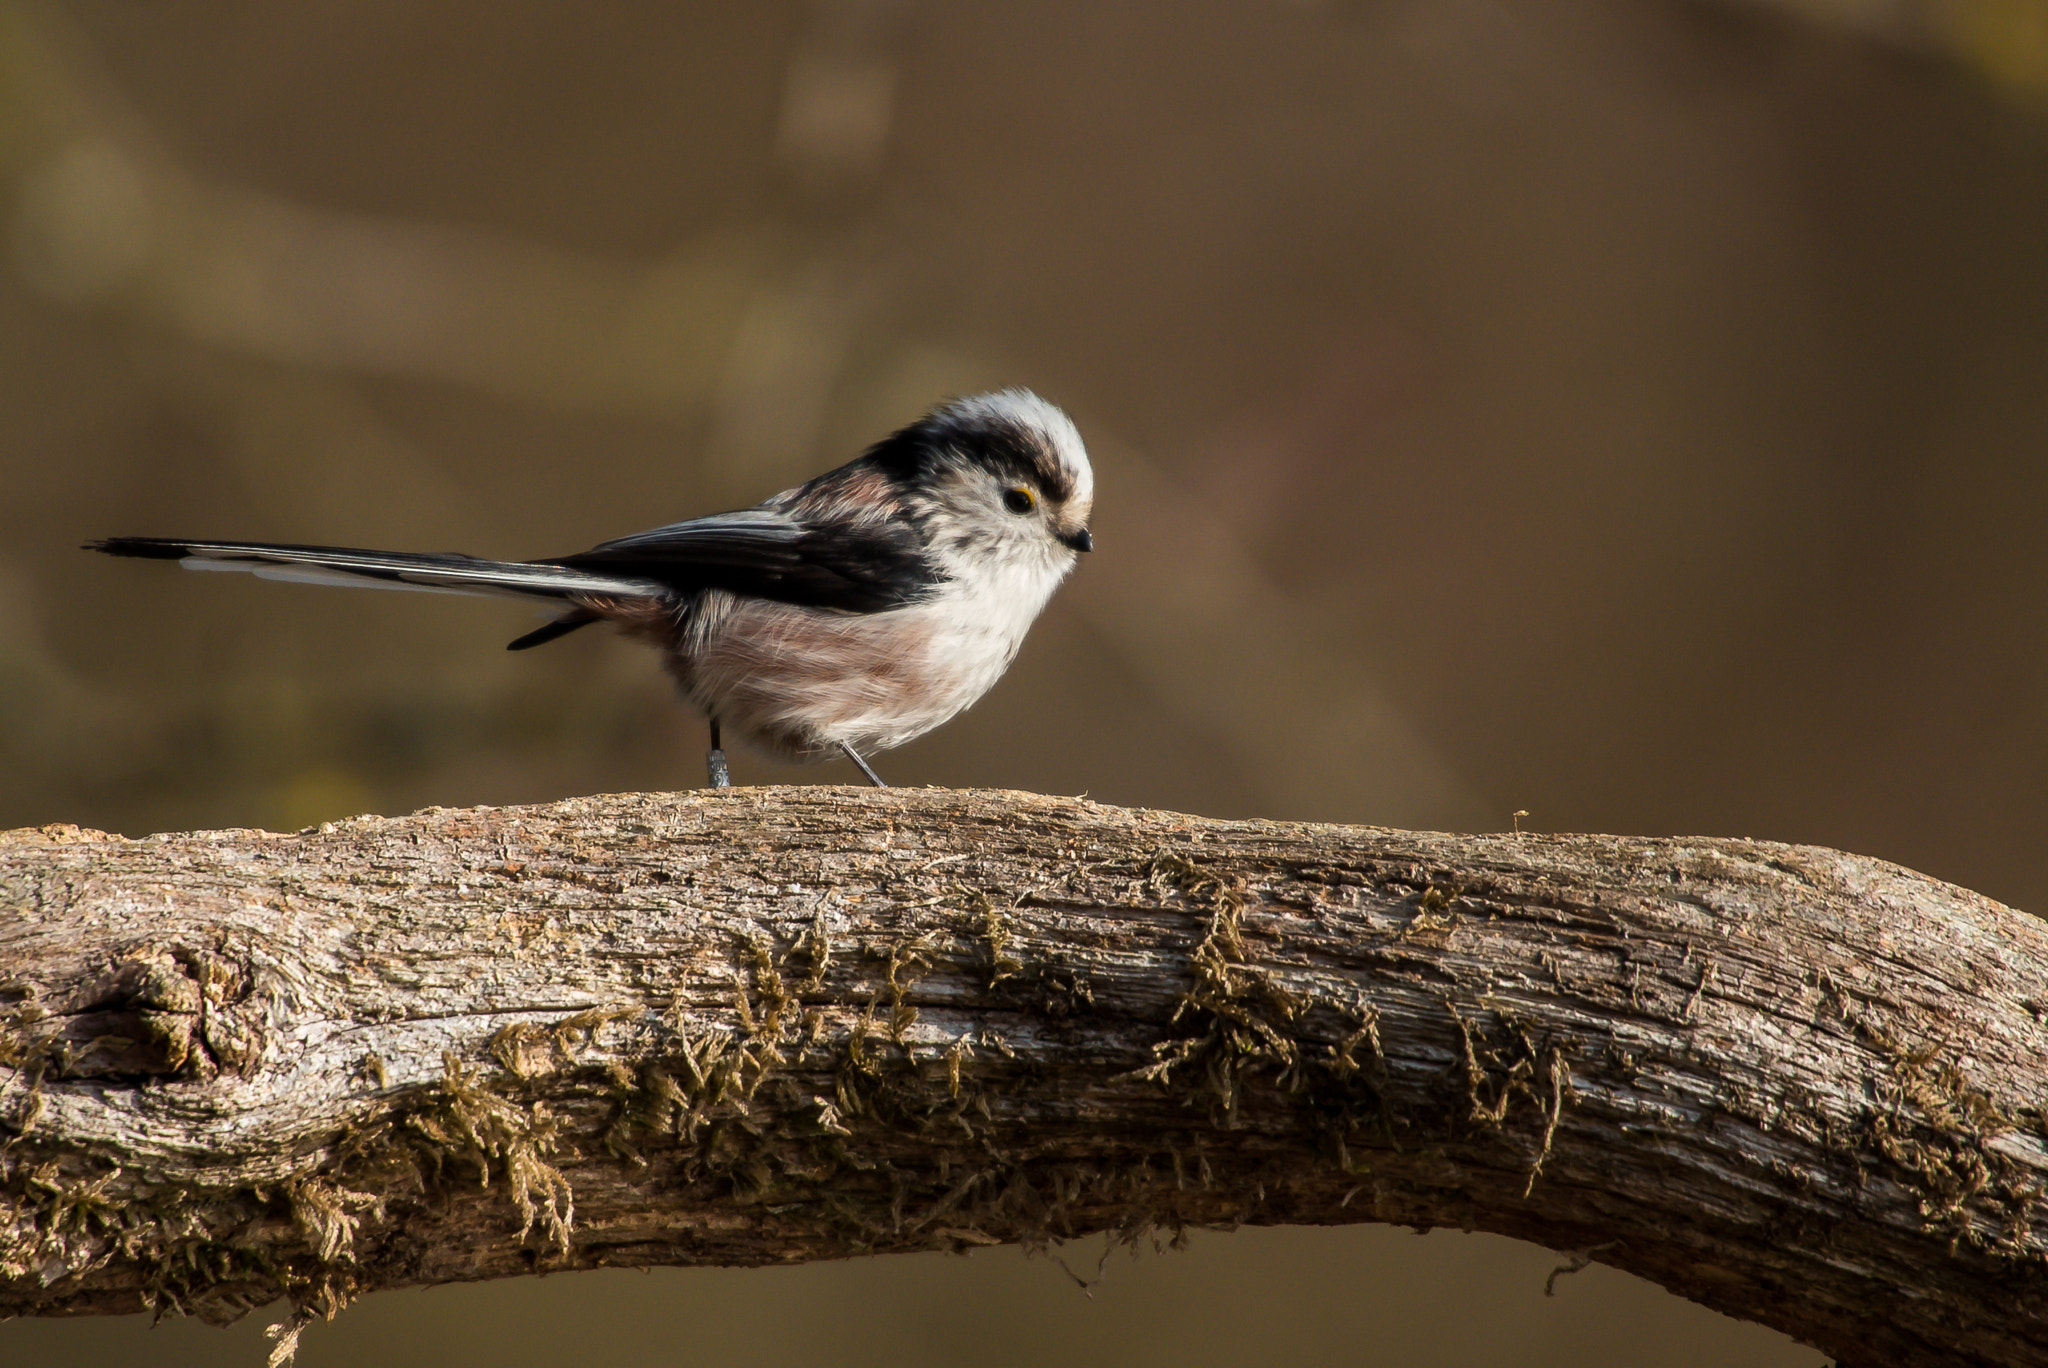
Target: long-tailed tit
x=849, y=614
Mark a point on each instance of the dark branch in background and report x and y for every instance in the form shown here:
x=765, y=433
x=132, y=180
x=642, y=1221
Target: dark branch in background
x=757, y=1026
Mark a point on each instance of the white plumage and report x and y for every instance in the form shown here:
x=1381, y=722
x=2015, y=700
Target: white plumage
x=855, y=612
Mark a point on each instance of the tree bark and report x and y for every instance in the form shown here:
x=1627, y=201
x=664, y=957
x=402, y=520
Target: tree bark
x=753, y=1026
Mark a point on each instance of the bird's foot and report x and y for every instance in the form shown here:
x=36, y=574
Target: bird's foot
x=865, y=767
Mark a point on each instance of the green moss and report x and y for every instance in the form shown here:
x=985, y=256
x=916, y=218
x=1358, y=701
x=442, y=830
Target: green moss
x=1514, y=1061
x=1930, y=1127
x=1237, y=1028
x=467, y=1122
x=987, y=922
x=1234, y=1022
x=1437, y=918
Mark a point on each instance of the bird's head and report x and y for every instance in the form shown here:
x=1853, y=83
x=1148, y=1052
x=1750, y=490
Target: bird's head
x=1003, y=473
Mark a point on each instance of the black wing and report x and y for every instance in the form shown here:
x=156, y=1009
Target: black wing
x=857, y=567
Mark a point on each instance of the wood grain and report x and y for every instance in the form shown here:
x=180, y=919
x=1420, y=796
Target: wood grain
x=766, y=1025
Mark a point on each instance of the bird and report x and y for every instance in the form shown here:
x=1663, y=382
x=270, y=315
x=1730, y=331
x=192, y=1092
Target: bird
x=845, y=616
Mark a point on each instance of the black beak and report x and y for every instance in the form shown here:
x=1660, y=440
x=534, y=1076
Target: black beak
x=1080, y=541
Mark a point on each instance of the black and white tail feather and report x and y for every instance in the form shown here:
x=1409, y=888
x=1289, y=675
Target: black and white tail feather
x=847, y=615
x=440, y=572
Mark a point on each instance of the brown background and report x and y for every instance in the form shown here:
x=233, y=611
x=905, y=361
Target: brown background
x=1629, y=412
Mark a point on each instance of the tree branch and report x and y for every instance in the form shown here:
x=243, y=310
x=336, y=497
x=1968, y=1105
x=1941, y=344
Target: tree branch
x=769, y=1025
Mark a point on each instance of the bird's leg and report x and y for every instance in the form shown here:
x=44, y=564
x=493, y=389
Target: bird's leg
x=865, y=768
x=721, y=777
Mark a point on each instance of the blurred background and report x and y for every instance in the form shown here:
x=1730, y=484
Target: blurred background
x=1630, y=412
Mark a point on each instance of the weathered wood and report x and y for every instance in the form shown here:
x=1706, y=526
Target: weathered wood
x=761, y=1025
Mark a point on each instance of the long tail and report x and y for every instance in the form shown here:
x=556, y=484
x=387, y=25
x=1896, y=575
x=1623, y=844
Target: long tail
x=443, y=572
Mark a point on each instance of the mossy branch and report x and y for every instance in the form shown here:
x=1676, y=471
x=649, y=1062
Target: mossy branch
x=757, y=1026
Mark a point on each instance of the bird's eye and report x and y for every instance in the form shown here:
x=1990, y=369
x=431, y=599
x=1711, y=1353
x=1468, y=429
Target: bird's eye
x=1018, y=499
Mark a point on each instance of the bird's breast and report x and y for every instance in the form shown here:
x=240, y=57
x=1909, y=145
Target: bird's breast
x=802, y=681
